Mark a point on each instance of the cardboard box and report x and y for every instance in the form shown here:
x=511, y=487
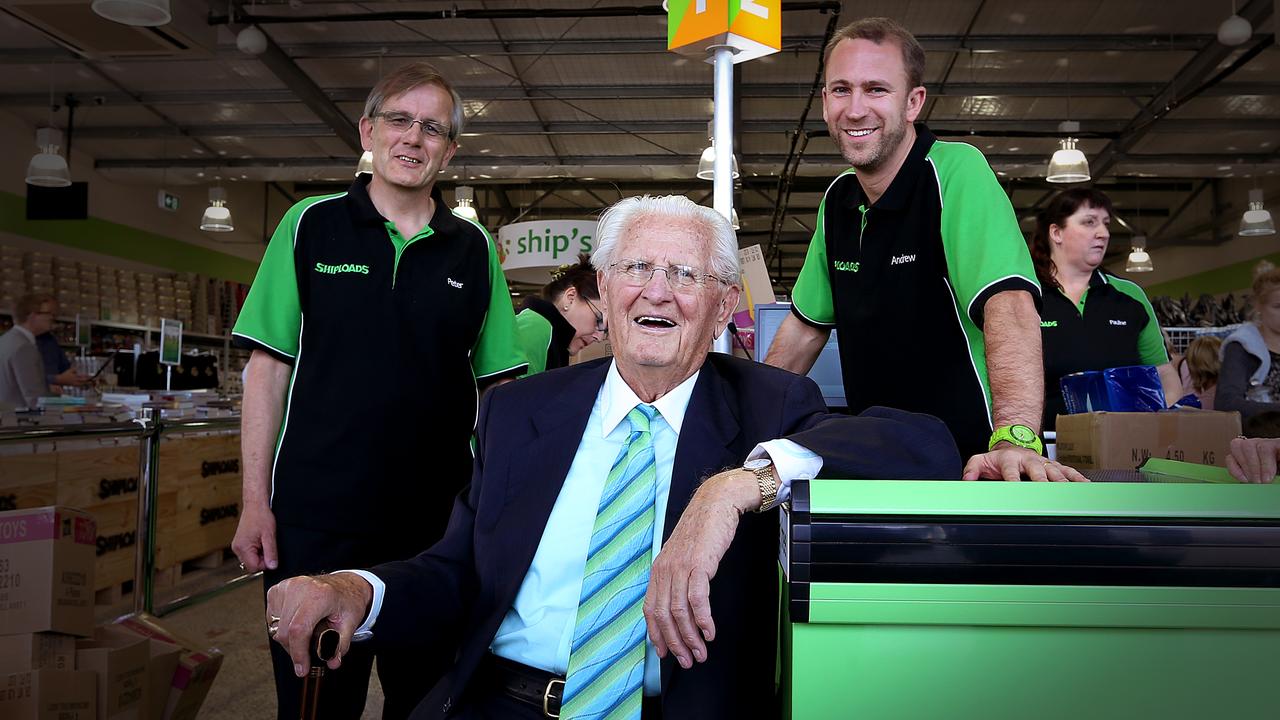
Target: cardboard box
x=46, y=571
x=120, y=660
x=161, y=668
x=197, y=666
x=49, y=695
x=37, y=651
x=1115, y=441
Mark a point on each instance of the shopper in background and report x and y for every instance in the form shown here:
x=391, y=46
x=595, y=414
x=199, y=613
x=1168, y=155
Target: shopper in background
x=57, y=368
x=373, y=315
x=552, y=328
x=917, y=259
x=22, y=380
x=1250, y=377
x=546, y=584
x=1091, y=319
x=1202, y=363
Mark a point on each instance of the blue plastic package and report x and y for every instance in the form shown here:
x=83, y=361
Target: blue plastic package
x=1134, y=388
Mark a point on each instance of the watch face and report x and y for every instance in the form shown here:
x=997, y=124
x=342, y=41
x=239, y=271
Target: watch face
x=1022, y=433
x=757, y=463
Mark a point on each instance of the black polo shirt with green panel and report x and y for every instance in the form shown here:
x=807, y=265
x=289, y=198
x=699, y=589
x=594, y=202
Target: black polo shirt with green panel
x=387, y=336
x=1113, y=325
x=905, y=279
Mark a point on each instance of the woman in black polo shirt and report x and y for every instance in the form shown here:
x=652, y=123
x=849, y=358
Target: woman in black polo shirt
x=551, y=328
x=1091, y=319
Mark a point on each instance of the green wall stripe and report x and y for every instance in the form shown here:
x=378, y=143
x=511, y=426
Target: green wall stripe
x=122, y=241
x=1228, y=278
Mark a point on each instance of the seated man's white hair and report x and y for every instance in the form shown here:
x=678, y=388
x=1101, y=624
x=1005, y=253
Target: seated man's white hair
x=619, y=216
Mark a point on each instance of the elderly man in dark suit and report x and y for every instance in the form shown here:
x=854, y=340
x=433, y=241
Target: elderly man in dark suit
x=545, y=590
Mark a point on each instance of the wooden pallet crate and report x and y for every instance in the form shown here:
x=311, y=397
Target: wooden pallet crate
x=27, y=481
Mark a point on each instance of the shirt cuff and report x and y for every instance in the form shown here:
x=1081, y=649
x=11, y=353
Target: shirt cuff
x=791, y=460
x=365, y=631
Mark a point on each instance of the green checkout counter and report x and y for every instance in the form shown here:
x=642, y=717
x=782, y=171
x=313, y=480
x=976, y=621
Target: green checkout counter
x=1145, y=594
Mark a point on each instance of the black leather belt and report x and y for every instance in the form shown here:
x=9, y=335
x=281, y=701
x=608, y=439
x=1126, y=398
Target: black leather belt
x=538, y=688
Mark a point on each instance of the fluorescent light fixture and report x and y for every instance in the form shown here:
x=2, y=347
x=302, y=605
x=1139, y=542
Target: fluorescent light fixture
x=47, y=168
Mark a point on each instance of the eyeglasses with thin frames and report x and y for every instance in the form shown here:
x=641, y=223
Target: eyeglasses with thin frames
x=401, y=123
x=679, y=277
x=601, y=326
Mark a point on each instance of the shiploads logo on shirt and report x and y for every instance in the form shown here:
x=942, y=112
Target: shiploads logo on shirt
x=1048, y=323
x=341, y=268
x=846, y=266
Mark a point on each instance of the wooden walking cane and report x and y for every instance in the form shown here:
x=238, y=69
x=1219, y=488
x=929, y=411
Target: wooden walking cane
x=324, y=647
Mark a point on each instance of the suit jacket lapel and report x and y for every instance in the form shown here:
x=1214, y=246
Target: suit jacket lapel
x=536, y=472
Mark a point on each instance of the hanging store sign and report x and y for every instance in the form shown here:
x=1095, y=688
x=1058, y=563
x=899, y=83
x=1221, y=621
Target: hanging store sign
x=752, y=27
x=529, y=251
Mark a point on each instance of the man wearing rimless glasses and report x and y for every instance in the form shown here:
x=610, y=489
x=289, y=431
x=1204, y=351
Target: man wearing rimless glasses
x=374, y=315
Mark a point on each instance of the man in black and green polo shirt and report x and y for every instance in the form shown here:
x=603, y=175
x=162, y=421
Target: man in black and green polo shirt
x=374, y=315
x=918, y=261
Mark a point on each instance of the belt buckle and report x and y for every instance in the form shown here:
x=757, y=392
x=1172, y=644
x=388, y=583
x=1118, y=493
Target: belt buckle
x=546, y=697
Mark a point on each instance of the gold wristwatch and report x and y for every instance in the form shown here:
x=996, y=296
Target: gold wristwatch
x=762, y=468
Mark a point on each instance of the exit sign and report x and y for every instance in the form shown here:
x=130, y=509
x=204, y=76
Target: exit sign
x=167, y=201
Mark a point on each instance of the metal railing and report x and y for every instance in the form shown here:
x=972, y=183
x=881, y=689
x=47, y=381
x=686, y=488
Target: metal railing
x=147, y=429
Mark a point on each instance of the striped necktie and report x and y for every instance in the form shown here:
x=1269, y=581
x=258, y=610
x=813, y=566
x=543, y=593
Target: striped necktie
x=606, y=659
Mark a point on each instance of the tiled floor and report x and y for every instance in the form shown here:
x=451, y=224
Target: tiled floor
x=232, y=622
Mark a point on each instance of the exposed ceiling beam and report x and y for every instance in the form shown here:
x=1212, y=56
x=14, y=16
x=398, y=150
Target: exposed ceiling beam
x=646, y=91
x=988, y=127
x=651, y=160
x=623, y=46
x=310, y=94
x=1187, y=81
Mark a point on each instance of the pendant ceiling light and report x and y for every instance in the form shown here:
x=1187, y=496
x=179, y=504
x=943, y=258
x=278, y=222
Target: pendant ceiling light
x=251, y=41
x=1235, y=30
x=707, y=163
x=47, y=168
x=466, y=196
x=217, y=217
x=1068, y=164
x=1256, y=221
x=140, y=13
x=1139, y=259
x=365, y=165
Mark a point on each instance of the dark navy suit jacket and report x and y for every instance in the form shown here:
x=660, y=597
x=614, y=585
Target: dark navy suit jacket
x=455, y=594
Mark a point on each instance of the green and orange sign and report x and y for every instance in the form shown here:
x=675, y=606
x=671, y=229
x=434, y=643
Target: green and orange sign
x=753, y=27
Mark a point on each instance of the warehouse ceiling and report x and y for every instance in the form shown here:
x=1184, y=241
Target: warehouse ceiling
x=572, y=104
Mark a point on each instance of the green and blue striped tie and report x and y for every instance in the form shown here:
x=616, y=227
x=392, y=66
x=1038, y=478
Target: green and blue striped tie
x=606, y=659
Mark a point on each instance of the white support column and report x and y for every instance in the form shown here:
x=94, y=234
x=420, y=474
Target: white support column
x=723, y=183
